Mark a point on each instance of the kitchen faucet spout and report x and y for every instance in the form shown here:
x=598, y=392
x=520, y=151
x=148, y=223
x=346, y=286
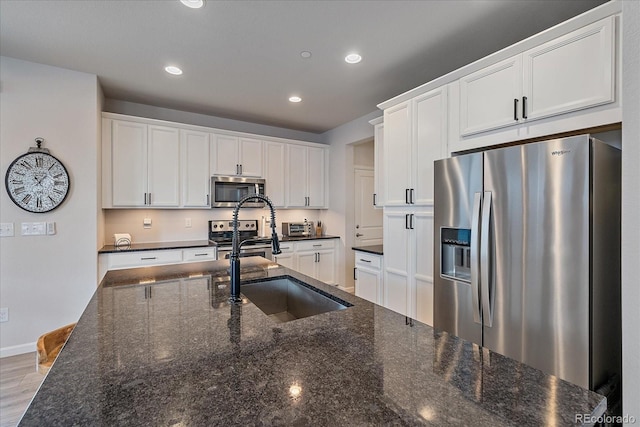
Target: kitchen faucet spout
x=234, y=258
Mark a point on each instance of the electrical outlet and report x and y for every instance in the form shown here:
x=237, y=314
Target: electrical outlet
x=146, y=223
x=187, y=222
x=6, y=229
x=4, y=314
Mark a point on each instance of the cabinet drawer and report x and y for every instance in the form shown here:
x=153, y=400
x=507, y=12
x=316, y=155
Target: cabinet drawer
x=144, y=258
x=287, y=247
x=364, y=259
x=314, y=245
x=199, y=254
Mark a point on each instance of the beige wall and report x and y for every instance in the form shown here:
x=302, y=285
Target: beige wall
x=46, y=281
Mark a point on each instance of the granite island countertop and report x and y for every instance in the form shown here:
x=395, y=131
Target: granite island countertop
x=163, y=346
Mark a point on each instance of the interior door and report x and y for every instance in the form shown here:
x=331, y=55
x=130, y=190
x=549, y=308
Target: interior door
x=368, y=219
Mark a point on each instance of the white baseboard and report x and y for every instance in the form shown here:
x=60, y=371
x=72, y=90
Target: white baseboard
x=17, y=349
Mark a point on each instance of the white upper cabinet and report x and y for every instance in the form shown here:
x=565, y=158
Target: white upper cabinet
x=236, y=156
x=572, y=72
x=415, y=134
x=378, y=168
x=274, y=172
x=489, y=98
x=429, y=142
x=195, y=148
x=127, y=150
x=163, y=153
x=306, y=176
x=397, y=154
x=145, y=162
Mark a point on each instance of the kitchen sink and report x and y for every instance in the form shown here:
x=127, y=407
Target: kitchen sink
x=284, y=299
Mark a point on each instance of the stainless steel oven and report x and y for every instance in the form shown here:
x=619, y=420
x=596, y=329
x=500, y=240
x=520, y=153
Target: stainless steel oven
x=227, y=191
x=221, y=233
x=263, y=250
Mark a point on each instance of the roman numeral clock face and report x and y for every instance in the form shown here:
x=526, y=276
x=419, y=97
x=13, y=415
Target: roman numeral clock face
x=37, y=182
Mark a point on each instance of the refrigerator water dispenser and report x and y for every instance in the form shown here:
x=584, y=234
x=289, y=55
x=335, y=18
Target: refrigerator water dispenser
x=455, y=249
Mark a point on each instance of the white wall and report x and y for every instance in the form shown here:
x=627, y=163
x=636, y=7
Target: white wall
x=335, y=219
x=631, y=208
x=46, y=281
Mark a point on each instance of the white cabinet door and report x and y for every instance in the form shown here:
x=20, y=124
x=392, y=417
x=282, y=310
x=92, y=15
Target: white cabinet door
x=306, y=262
x=286, y=260
x=250, y=157
x=367, y=284
x=397, y=241
x=129, y=163
x=490, y=98
x=397, y=154
x=430, y=141
x=378, y=168
x=225, y=155
x=195, y=169
x=296, y=176
x=572, y=72
x=326, y=266
x=422, y=260
x=274, y=172
x=315, y=177
x=163, y=153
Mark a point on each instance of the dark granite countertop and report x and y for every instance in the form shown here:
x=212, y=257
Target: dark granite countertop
x=299, y=238
x=372, y=249
x=162, y=346
x=155, y=246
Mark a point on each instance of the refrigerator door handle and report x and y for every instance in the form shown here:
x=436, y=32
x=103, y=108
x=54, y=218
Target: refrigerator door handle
x=475, y=257
x=485, y=260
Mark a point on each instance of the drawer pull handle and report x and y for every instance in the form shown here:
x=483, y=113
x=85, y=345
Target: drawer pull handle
x=317, y=246
x=147, y=258
x=365, y=260
x=200, y=254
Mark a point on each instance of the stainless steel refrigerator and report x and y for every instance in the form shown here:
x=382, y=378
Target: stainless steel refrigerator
x=527, y=255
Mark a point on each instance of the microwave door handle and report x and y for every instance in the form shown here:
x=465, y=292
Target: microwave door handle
x=485, y=261
x=475, y=259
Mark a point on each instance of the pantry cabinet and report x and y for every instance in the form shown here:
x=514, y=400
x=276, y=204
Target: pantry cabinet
x=378, y=141
x=572, y=72
x=408, y=263
x=147, y=161
x=236, y=156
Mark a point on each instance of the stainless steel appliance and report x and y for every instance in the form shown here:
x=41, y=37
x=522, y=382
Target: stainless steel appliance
x=527, y=255
x=221, y=233
x=293, y=229
x=227, y=191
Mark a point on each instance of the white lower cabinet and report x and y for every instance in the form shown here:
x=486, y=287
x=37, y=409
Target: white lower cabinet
x=314, y=258
x=408, y=263
x=368, y=276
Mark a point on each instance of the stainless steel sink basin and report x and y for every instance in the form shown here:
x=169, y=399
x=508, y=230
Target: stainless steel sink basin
x=284, y=299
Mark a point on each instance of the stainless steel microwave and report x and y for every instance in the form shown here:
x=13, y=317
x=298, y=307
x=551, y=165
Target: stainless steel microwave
x=227, y=191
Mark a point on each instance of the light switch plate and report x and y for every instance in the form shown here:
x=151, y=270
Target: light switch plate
x=6, y=229
x=33, y=228
x=4, y=314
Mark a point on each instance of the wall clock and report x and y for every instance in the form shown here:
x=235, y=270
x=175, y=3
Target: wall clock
x=37, y=181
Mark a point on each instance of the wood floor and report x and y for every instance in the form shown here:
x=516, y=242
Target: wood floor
x=19, y=381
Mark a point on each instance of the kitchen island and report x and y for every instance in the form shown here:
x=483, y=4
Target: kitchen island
x=163, y=346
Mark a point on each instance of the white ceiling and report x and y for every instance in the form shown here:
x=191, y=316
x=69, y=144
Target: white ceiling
x=241, y=59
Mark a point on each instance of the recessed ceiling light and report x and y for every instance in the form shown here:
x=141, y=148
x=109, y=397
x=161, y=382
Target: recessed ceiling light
x=353, y=58
x=305, y=54
x=295, y=99
x=172, y=69
x=193, y=4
